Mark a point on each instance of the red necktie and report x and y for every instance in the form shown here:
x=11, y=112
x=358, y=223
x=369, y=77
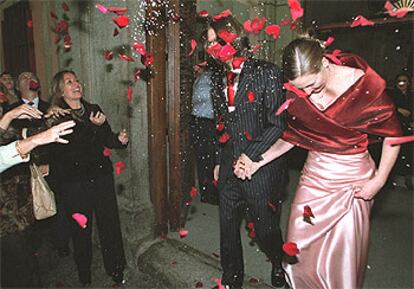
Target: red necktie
x=230, y=88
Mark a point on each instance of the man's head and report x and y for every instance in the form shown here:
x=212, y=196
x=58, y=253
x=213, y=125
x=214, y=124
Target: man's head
x=26, y=82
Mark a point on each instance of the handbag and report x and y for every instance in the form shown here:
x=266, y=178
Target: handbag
x=44, y=204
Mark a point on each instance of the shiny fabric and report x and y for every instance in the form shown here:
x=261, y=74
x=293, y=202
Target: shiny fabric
x=333, y=250
x=362, y=113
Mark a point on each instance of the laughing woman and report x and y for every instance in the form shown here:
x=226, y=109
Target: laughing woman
x=85, y=178
x=341, y=105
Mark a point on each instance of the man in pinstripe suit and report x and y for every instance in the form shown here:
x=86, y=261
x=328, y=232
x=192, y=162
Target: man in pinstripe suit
x=247, y=125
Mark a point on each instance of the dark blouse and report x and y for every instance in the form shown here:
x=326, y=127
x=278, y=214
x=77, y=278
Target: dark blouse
x=82, y=158
x=362, y=113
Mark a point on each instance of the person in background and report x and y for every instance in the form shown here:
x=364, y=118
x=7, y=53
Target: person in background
x=403, y=98
x=247, y=94
x=8, y=94
x=85, y=178
x=338, y=103
x=203, y=133
x=19, y=267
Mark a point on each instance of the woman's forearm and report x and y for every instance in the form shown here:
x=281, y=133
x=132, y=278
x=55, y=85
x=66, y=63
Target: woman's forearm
x=388, y=158
x=279, y=148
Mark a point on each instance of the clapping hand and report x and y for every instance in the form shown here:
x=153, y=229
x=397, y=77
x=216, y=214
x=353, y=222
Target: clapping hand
x=98, y=119
x=123, y=137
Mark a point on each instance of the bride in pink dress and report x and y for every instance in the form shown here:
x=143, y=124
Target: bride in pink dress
x=337, y=107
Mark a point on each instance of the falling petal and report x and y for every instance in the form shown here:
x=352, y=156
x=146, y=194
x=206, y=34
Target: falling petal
x=34, y=85
x=255, y=25
x=224, y=138
x=107, y=152
x=126, y=57
x=237, y=62
x=251, y=96
x=248, y=136
x=61, y=26
x=228, y=37
x=108, y=55
x=286, y=21
x=227, y=52
x=139, y=47
x=284, y=106
x=307, y=212
x=67, y=41
x=290, y=248
x=296, y=10
x=253, y=281
x=333, y=57
x=223, y=14
x=257, y=47
x=329, y=41
x=273, y=30
x=252, y=234
x=199, y=284
x=203, y=13
x=102, y=8
x=294, y=89
x=29, y=24
x=121, y=21
x=65, y=7
x=183, y=233
x=118, y=10
x=214, y=50
x=53, y=15
x=193, y=47
x=250, y=225
x=392, y=141
x=129, y=93
x=218, y=282
x=361, y=21
x=147, y=59
x=399, y=13
x=80, y=219
x=193, y=192
x=119, y=167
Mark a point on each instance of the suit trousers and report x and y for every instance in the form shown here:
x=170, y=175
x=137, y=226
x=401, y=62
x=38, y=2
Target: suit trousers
x=234, y=203
x=95, y=197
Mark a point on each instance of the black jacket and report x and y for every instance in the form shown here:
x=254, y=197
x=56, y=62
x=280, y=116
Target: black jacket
x=256, y=119
x=82, y=158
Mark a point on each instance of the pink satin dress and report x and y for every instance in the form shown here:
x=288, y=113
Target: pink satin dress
x=334, y=248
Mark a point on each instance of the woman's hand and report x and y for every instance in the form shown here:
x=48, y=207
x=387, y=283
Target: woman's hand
x=245, y=167
x=56, y=111
x=369, y=189
x=54, y=134
x=123, y=137
x=98, y=119
x=25, y=111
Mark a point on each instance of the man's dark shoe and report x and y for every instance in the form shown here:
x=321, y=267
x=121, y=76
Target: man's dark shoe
x=278, y=277
x=118, y=278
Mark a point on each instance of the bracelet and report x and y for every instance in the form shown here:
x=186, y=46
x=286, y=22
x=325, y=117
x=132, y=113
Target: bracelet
x=19, y=151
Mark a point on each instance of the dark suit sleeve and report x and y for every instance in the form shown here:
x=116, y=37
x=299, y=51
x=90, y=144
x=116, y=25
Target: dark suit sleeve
x=273, y=99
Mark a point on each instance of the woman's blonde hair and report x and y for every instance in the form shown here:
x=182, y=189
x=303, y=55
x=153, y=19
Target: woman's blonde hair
x=56, y=87
x=302, y=56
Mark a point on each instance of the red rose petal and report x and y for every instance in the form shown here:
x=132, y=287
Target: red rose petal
x=223, y=14
x=248, y=136
x=61, y=26
x=250, y=225
x=118, y=10
x=53, y=15
x=220, y=126
x=253, y=281
x=107, y=152
x=108, y=55
x=126, y=57
x=203, y=13
x=290, y=248
x=214, y=50
x=224, y=138
x=193, y=46
x=65, y=7
x=286, y=21
x=332, y=57
x=294, y=89
x=193, y=192
x=296, y=10
x=102, y=8
x=218, y=282
x=284, y=106
x=227, y=52
x=80, y=219
x=361, y=21
x=252, y=234
x=147, y=59
x=183, y=233
x=307, y=212
x=237, y=62
x=121, y=21
x=67, y=41
x=228, y=37
x=119, y=167
x=29, y=24
x=397, y=12
x=329, y=41
x=392, y=141
x=273, y=30
x=129, y=94
x=139, y=47
x=257, y=47
x=251, y=96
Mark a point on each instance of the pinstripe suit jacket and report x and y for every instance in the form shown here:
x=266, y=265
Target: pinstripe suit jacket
x=256, y=118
